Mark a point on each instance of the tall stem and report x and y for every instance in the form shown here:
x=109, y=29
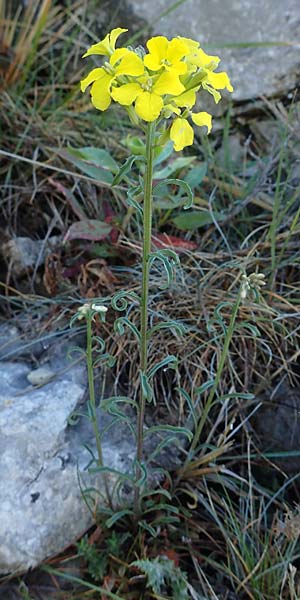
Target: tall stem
x=147, y=228
x=92, y=400
x=210, y=399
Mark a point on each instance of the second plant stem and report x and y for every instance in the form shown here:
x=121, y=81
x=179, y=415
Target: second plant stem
x=92, y=401
x=211, y=396
x=147, y=229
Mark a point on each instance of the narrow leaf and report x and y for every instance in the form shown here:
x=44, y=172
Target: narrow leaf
x=97, y=173
x=195, y=219
x=173, y=167
x=91, y=229
x=126, y=167
x=183, y=185
x=96, y=156
x=170, y=361
x=196, y=175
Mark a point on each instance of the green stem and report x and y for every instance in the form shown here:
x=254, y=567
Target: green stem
x=213, y=389
x=147, y=229
x=92, y=399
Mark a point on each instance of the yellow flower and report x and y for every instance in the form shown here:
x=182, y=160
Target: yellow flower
x=147, y=94
x=157, y=84
x=121, y=62
x=197, y=58
x=205, y=65
x=107, y=46
x=182, y=133
x=216, y=81
x=166, y=54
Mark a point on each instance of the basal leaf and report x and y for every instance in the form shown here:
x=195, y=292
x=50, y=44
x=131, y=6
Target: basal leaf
x=91, y=229
x=96, y=156
x=195, y=219
x=95, y=172
x=173, y=167
x=195, y=175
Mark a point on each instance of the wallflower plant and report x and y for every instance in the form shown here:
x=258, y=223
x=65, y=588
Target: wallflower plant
x=158, y=87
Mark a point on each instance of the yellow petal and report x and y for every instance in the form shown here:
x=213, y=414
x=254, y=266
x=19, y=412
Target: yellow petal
x=186, y=99
x=158, y=46
x=181, y=133
x=107, y=45
x=130, y=64
x=219, y=81
x=178, y=68
x=92, y=76
x=99, y=48
x=148, y=106
x=202, y=118
x=126, y=94
x=191, y=44
x=100, y=93
x=177, y=49
x=114, y=34
x=168, y=83
x=152, y=63
x=117, y=55
x=201, y=59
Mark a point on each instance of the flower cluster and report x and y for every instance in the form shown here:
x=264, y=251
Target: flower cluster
x=162, y=83
x=252, y=283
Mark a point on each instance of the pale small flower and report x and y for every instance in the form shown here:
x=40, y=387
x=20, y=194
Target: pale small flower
x=100, y=308
x=83, y=311
x=253, y=282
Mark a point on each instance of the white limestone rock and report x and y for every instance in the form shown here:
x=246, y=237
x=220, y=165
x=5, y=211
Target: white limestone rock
x=254, y=71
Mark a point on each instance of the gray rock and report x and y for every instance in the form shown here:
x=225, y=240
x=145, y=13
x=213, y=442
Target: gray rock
x=40, y=376
x=254, y=71
x=41, y=505
x=42, y=509
x=277, y=426
x=22, y=253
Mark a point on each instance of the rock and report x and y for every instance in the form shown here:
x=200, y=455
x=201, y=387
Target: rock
x=40, y=376
x=22, y=253
x=254, y=71
x=277, y=425
x=41, y=506
x=15, y=341
x=42, y=510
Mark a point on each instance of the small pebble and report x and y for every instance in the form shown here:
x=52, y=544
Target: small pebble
x=40, y=376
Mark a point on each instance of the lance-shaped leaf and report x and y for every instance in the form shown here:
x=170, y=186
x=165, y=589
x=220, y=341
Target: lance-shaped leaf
x=139, y=466
x=173, y=167
x=195, y=219
x=178, y=328
x=132, y=194
x=126, y=167
x=170, y=361
x=147, y=389
x=183, y=185
x=168, y=258
x=120, y=299
x=167, y=441
x=188, y=399
x=164, y=152
x=81, y=160
x=117, y=516
x=88, y=230
x=196, y=175
x=171, y=428
x=119, y=327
